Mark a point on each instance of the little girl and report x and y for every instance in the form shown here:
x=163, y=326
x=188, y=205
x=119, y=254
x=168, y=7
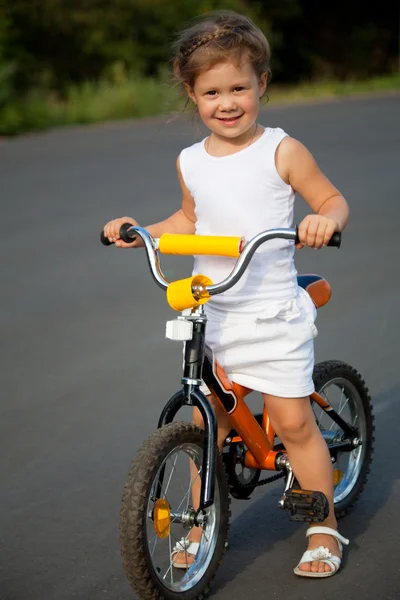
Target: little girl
x=239, y=181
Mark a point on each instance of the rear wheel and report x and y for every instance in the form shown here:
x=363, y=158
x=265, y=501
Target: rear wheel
x=344, y=389
x=157, y=513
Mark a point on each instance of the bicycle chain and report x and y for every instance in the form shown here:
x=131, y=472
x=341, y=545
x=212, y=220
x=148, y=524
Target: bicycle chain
x=271, y=479
x=264, y=481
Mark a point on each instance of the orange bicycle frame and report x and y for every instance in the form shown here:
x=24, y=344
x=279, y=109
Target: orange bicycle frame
x=259, y=439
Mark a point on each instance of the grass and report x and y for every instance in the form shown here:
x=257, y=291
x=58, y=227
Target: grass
x=331, y=89
x=137, y=97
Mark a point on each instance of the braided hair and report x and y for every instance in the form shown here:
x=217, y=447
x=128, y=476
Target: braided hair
x=217, y=37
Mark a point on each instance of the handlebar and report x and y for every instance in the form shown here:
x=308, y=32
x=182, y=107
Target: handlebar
x=244, y=251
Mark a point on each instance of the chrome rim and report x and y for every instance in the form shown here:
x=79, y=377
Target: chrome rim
x=344, y=398
x=180, y=471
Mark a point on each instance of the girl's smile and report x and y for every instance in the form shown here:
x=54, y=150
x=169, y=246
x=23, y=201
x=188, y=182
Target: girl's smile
x=227, y=97
x=229, y=121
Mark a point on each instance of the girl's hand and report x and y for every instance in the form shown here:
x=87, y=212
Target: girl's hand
x=315, y=231
x=111, y=231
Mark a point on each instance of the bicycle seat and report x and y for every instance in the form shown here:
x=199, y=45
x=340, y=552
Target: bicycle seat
x=318, y=288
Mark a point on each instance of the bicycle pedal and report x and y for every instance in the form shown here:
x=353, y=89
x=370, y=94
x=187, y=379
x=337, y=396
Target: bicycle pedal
x=304, y=505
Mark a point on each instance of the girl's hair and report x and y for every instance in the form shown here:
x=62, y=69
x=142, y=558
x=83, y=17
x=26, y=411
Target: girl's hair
x=217, y=37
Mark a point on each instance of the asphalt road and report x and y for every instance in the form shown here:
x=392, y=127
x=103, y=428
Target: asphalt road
x=85, y=368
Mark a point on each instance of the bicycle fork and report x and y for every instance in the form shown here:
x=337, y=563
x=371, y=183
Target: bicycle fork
x=191, y=395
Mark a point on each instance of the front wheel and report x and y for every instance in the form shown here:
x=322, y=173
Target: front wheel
x=344, y=389
x=158, y=513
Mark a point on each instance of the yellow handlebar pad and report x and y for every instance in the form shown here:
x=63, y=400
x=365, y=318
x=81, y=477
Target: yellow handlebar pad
x=180, y=294
x=175, y=243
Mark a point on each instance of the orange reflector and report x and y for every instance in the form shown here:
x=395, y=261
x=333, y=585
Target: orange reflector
x=337, y=476
x=162, y=518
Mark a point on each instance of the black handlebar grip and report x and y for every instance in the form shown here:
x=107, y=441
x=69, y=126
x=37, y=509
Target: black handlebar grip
x=122, y=234
x=334, y=242
x=104, y=240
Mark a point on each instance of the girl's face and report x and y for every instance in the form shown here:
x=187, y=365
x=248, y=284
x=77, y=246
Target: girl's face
x=227, y=97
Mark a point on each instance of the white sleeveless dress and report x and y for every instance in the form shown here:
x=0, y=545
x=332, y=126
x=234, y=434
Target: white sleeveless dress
x=261, y=330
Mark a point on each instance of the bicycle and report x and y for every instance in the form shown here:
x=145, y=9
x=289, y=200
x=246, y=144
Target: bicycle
x=157, y=508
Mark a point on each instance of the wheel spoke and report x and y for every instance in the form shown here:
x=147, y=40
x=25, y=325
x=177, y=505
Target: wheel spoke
x=163, y=494
x=187, y=494
x=341, y=408
x=155, y=539
x=191, y=483
x=170, y=477
x=169, y=570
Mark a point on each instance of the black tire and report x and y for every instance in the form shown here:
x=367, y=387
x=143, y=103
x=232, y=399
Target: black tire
x=145, y=578
x=341, y=378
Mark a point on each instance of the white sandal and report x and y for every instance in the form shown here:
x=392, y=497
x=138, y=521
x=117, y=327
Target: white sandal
x=322, y=554
x=186, y=546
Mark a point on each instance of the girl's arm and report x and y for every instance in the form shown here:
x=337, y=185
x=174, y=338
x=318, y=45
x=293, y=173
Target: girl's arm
x=298, y=168
x=182, y=221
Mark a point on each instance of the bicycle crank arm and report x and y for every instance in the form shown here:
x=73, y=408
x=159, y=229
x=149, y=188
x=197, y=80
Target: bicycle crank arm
x=304, y=505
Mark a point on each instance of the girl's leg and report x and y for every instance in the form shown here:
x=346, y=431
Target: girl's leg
x=294, y=422
x=224, y=428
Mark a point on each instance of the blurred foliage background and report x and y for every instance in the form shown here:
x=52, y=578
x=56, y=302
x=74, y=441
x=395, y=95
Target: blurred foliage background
x=80, y=61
